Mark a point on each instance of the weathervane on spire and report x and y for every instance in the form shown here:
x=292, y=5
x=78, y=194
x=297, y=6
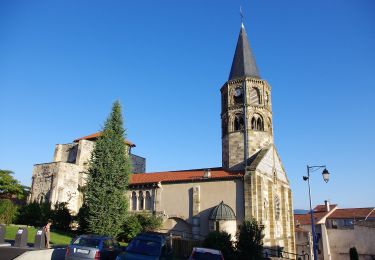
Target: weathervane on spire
x=241, y=14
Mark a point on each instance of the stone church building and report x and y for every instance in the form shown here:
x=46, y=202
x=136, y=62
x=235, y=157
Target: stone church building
x=251, y=183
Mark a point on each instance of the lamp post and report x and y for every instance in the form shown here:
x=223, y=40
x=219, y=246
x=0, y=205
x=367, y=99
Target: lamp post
x=325, y=174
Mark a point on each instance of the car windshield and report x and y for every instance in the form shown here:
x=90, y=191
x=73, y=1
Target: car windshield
x=85, y=241
x=144, y=247
x=206, y=256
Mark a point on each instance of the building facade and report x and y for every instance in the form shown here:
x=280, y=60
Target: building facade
x=62, y=179
x=251, y=182
x=337, y=230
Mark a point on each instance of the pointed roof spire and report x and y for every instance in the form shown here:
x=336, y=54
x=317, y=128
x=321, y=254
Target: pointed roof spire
x=243, y=64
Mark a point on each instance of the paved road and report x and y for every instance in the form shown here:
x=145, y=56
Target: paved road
x=9, y=252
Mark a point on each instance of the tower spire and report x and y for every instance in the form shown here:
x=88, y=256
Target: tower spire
x=243, y=64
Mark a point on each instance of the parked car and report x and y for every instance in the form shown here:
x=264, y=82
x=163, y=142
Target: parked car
x=93, y=247
x=148, y=246
x=201, y=253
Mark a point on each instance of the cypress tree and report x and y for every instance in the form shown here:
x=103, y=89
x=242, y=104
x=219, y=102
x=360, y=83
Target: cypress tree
x=107, y=179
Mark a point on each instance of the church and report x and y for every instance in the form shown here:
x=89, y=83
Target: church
x=251, y=182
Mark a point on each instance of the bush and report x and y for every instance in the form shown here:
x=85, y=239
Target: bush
x=136, y=223
x=82, y=219
x=130, y=228
x=149, y=222
x=8, y=211
x=220, y=240
x=37, y=215
x=250, y=240
x=61, y=216
x=353, y=253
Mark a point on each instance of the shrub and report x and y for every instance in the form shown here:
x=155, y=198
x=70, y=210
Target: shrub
x=130, y=228
x=353, y=253
x=136, y=223
x=61, y=216
x=220, y=240
x=8, y=211
x=250, y=240
x=149, y=222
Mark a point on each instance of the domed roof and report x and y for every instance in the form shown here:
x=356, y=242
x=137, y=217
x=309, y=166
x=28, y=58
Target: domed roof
x=222, y=212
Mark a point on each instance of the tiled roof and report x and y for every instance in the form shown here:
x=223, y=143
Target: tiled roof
x=353, y=213
x=183, y=176
x=323, y=208
x=305, y=219
x=95, y=136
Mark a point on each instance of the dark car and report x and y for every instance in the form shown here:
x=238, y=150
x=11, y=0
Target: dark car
x=148, y=246
x=93, y=247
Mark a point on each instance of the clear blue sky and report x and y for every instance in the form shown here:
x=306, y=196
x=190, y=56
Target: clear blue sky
x=63, y=63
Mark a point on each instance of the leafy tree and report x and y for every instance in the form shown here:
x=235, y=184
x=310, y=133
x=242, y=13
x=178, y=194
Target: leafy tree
x=8, y=211
x=9, y=186
x=250, y=240
x=108, y=176
x=34, y=214
x=130, y=228
x=353, y=253
x=220, y=240
x=61, y=216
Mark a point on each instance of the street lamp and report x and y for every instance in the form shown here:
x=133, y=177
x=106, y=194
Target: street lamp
x=325, y=175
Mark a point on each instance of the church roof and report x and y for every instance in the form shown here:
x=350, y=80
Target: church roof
x=94, y=137
x=183, y=176
x=222, y=212
x=243, y=64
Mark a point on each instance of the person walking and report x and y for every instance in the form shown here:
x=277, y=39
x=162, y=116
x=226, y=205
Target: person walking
x=47, y=233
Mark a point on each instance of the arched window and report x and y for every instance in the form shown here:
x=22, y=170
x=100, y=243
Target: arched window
x=134, y=200
x=255, y=98
x=238, y=123
x=260, y=124
x=141, y=201
x=148, y=200
x=257, y=123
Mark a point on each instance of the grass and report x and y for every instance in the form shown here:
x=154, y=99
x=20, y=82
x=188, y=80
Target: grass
x=57, y=237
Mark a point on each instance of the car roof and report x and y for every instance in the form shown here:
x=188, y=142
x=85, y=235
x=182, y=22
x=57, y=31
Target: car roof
x=207, y=250
x=94, y=236
x=158, y=237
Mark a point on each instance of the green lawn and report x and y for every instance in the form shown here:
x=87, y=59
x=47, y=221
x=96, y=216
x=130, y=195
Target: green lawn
x=57, y=237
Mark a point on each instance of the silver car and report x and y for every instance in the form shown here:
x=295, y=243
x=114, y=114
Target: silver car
x=93, y=247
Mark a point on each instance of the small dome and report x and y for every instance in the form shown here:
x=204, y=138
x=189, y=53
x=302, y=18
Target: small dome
x=222, y=212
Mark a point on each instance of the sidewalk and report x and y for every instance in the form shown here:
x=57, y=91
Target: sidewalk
x=45, y=254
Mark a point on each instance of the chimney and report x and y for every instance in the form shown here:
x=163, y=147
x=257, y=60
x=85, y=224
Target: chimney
x=328, y=208
x=207, y=173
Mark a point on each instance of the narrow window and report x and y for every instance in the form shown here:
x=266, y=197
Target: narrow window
x=259, y=124
x=134, y=200
x=253, y=124
x=141, y=201
x=238, y=123
x=255, y=96
x=148, y=200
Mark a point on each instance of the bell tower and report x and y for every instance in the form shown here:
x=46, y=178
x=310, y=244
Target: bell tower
x=246, y=108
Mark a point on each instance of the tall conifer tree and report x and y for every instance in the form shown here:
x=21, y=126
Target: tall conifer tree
x=108, y=177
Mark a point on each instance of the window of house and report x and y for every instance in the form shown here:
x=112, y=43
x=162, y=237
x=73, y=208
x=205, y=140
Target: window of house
x=257, y=123
x=238, y=123
x=141, y=201
x=255, y=98
x=148, y=200
x=134, y=200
